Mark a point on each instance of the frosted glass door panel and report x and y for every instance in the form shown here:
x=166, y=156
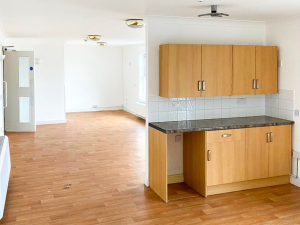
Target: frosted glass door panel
x=23, y=71
x=24, y=110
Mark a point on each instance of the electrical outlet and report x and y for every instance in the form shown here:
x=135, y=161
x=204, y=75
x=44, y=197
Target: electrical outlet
x=297, y=112
x=242, y=101
x=296, y=154
x=177, y=104
x=178, y=138
x=95, y=106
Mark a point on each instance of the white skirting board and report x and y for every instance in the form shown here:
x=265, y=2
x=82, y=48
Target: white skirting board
x=50, y=122
x=5, y=167
x=95, y=109
x=295, y=181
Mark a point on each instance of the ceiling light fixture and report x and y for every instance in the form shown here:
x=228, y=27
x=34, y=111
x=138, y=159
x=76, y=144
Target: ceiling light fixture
x=101, y=43
x=214, y=12
x=94, y=37
x=135, y=23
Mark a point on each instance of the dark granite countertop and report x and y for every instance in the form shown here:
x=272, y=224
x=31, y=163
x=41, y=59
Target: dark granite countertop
x=218, y=124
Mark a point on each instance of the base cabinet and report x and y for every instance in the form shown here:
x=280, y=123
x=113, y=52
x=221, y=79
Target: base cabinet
x=224, y=161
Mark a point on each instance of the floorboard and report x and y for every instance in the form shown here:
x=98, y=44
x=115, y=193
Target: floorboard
x=91, y=171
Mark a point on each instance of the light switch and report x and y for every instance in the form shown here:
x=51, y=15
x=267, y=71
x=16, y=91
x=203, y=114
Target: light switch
x=297, y=112
x=178, y=138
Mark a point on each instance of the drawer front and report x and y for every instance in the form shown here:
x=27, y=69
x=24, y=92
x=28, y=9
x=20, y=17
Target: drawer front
x=225, y=135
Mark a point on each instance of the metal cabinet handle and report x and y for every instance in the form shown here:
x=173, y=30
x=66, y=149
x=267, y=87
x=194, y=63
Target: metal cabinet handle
x=254, y=84
x=226, y=135
x=257, y=83
x=271, y=137
x=5, y=105
x=203, y=85
x=268, y=137
x=208, y=155
x=199, y=85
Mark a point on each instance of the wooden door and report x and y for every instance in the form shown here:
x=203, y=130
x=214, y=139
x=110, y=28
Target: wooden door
x=257, y=153
x=217, y=70
x=227, y=163
x=180, y=70
x=266, y=69
x=280, y=151
x=243, y=70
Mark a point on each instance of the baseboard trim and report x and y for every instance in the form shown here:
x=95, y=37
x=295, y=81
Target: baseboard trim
x=147, y=182
x=295, y=181
x=245, y=185
x=50, y=122
x=174, y=179
x=95, y=110
x=133, y=113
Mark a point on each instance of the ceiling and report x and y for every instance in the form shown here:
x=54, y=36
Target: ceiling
x=74, y=19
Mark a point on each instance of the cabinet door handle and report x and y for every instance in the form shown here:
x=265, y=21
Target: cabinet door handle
x=199, y=85
x=271, y=137
x=226, y=135
x=254, y=84
x=257, y=83
x=208, y=155
x=203, y=85
x=268, y=137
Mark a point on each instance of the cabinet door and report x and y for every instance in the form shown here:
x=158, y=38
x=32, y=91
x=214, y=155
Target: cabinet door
x=257, y=153
x=243, y=70
x=227, y=162
x=180, y=70
x=266, y=69
x=280, y=151
x=217, y=70
x=189, y=70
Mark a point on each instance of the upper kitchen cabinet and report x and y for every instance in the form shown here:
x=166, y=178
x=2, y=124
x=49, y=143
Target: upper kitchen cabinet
x=216, y=70
x=180, y=70
x=243, y=80
x=266, y=70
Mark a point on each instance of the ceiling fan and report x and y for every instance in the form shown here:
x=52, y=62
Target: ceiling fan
x=214, y=12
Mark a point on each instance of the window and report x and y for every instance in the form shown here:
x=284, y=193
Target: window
x=142, y=79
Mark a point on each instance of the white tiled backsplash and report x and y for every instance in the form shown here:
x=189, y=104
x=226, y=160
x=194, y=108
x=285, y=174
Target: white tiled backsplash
x=281, y=105
x=178, y=109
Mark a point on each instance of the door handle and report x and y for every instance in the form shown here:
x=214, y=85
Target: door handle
x=226, y=135
x=257, y=83
x=271, y=137
x=199, y=85
x=208, y=155
x=5, y=105
x=203, y=85
x=268, y=137
x=254, y=84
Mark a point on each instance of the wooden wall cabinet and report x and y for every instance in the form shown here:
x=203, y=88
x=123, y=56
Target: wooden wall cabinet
x=217, y=70
x=180, y=70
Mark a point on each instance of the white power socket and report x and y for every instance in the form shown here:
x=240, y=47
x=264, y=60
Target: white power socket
x=242, y=101
x=296, y=154
x=178, y=138
x=95, y=106
x=177, y=104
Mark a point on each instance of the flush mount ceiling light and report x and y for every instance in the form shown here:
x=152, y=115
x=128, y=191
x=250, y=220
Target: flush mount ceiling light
x=135, y=23
x=214, y=12
x=101, y=43
x=94, y=37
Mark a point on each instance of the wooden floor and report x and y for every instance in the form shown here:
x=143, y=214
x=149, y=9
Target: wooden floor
x=91, y=171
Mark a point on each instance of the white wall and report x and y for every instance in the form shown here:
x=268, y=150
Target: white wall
x=131, y=72
x=49, y=77
x=173, y=30
x=93, y=76
x=284, y=34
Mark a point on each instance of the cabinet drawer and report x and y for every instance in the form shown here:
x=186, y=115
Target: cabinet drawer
x=225, y=135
